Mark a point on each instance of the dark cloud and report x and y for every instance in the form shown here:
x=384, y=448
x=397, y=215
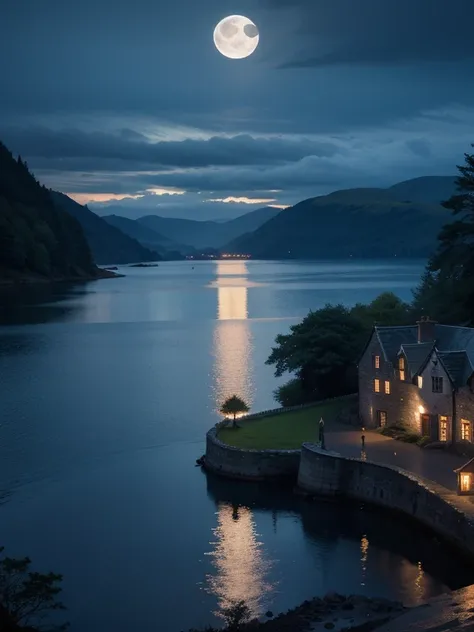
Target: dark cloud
x=76, y=150
x=381, y=32
x=113, y=96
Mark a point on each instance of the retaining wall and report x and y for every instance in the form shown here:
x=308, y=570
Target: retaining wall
x=329, y=474
x=254, y=465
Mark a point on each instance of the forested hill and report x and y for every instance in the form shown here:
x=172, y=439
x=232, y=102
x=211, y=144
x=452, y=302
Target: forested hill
x=108, y=243
x=36, y=238
x=372, y=223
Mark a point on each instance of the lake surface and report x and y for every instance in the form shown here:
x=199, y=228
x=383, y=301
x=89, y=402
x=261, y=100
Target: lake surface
x=106, y=392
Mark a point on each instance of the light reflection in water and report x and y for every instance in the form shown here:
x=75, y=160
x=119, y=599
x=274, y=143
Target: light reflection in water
x=241, y=569
x=232, y=337
x=364, y=551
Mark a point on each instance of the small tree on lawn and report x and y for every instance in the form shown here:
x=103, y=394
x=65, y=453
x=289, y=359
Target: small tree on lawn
x=234, y=406
x=26, y=597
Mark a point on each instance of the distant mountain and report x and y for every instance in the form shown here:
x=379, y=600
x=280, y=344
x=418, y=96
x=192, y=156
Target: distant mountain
x=37, y=240
x=202, y=234
x=430, y=189
x=372, y=223
x=146, y=236
x=108, y=243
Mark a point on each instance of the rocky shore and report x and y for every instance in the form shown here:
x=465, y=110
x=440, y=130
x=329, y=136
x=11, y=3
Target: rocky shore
x=333, y=612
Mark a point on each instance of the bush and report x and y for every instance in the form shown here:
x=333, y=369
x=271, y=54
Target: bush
x=292, y=394
x=236, y=615
x=408, y=437
x=422, y=441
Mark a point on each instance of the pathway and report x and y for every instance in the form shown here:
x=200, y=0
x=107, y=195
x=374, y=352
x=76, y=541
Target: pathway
x=435, y=465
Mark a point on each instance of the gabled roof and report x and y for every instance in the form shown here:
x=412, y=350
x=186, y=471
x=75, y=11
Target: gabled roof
x=416, y=355
x=456, y=365
x=392, y=338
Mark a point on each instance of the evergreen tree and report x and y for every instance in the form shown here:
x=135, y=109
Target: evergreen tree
x=447, y=288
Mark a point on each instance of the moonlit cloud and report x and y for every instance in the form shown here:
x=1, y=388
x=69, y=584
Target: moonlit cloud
x=242, y=200
x=338, y=94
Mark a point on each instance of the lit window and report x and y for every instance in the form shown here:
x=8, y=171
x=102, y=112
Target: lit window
x=436, y=384
x=401, y=363
x=466, y=430
x=465, y=482
x=377, y=362
x=420, y=381
x=402, y=376
x=377, y=386
x=443, y=428
x=387, y=387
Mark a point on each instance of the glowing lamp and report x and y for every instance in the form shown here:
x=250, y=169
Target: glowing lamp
x=421, y=409
x=465, y=476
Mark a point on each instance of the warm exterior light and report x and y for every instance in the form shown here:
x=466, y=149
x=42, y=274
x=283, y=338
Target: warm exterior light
x=465, y=482
x=421, y=409
x=420, y=381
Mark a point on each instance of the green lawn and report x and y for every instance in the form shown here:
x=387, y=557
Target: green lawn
x=285, y=431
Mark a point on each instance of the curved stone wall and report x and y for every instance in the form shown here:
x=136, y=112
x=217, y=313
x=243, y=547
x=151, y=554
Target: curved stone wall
x=245, y=464
x=329, y=474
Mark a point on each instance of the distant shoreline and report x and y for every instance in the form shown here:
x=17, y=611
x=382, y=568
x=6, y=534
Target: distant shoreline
x=22, y=280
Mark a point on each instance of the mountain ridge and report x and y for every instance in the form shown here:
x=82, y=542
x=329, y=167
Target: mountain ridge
x=108, y=243
x=366, y=223
x=38, y=241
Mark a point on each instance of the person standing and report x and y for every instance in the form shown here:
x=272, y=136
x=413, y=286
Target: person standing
x=321, y=434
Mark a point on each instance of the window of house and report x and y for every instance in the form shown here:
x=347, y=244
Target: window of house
x=401, y=368
x=466, y=431
x=436, y=384
x=382, y=418
x=387, y=387
x=420, y=381
x=377, y=386
x=443, y=428
x=377, y=362
x=465, y=482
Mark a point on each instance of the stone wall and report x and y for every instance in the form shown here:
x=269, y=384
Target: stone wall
x=464, y=399
x=329, y=474
x=246, y=464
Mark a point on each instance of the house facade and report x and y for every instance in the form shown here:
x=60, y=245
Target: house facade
x=422, y=377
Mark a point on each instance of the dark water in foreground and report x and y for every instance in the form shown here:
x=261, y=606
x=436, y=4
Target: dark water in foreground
x=106, y=391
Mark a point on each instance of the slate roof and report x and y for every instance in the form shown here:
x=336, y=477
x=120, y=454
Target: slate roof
x=416, y=354
x=392, y=338
x=454, y=346
x=457, y=366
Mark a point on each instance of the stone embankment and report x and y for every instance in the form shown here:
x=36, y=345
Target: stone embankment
x=323, y=473
x=256, y=465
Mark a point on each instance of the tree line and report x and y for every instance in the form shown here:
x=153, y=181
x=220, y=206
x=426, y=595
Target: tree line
x=35, y=237
x=321, y=352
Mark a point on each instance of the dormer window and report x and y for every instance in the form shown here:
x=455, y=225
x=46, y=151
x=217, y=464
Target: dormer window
x=420, y=381
x=401, y=368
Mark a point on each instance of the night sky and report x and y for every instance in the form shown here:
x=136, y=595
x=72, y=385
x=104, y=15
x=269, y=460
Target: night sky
x=106, y=98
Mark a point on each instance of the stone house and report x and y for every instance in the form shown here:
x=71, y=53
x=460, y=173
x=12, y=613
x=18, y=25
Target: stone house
x=419, y=376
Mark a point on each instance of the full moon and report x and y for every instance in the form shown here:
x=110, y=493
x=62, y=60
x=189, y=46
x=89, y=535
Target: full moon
x=236, y=37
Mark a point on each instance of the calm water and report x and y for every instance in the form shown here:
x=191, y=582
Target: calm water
x=106, y=391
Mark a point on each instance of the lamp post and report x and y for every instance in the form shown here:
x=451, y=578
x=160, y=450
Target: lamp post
x=321, y=434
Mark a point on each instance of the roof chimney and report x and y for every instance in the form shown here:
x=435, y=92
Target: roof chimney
x=426, y=329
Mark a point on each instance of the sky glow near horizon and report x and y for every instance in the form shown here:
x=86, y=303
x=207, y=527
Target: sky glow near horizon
x=160, y=122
